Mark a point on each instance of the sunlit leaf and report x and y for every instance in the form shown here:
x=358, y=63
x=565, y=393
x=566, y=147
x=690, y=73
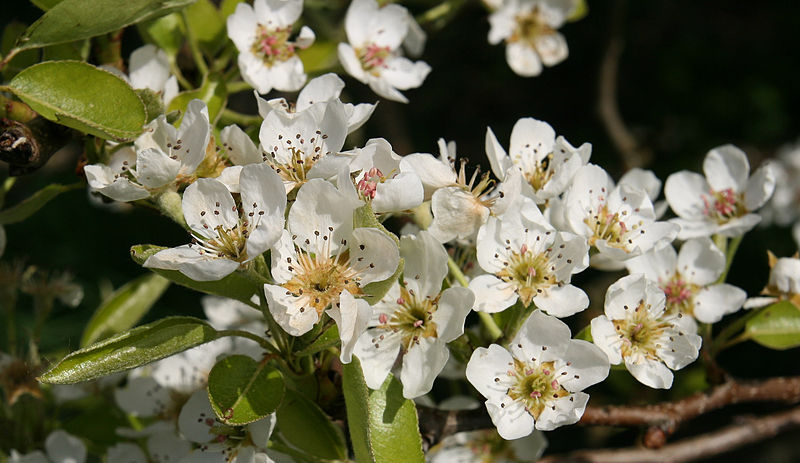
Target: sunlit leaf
x=776, y=326
x=304, y=425
x=242, y=390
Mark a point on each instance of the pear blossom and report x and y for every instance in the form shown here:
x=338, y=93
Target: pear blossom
x=219, y=442
x=416, y=319
x=724, y=200
x=637, y=329
x=530, y=262
x=530, y=30
x=646, y=180
x=538, y=383
x=267, y=56
x=460, y=206
x=162, y=441
x=375, y=34
x=487, y=446
x=298, y=146
x=126, y=452
x=149, y=68
x=60, y=447
x=547, y=163
x=783, y=285
x=618, y=220
x=164, y=156
x=228, y=233
x=321, y=259
x=379, y=179
x=322, y=89
x=688, y=279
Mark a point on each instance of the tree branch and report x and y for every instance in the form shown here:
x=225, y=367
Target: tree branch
x=746, y=431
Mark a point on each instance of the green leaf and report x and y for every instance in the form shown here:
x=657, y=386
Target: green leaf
x=124, y=308
x=235, y=286
x=242, y=390
x=304, y=425
x=207, y=24
x=78, y=50
x=72, y=20
x=383, y=425
x=324, y=341
x=320, y=57
x=21, y=60
x=33, y=203
x=365, y=217
x=228, y=7
x=131, y=349
x=153, y=103
x=213, y=92
x=82, y=97
x=585, y=334
x=776, y=326
x=45, y=4
x=374, y=291
x=165, y=32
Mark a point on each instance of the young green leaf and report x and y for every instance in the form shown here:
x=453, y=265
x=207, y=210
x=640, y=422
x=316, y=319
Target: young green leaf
x=33, y=203
x=131, y=349
x=72, y=20
x=124, y=308
x=207, y=24
x=304, y=425
x=242, y=390
x=165, y=32
x=82, y=97
x=325, y=340
x=213, y=92
x=235, y=286
x=384, y=426
x=776, y=327
x=153, y=103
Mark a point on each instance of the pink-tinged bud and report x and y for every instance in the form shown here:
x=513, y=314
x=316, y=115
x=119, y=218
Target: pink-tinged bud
x=546, y=372
x=523, y=249
x=554, y=384
x=401, y=301
x=417, y=323
x=383, y=318
x=531, y=272
x=536, y=394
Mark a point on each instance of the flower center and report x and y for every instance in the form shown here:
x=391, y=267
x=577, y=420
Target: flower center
x=640, y=334
x=373, y=58
x=228, y=243
x=610, y=227
x=530, y=26
x=412, y=319
x=293, y=158
x=680, y=295
x=272, y=45
x=368, y=184
x=723, y=205
x=320, y=278
x=530, y=272
x=536, y=384
x=540, y=173
x=480, y=190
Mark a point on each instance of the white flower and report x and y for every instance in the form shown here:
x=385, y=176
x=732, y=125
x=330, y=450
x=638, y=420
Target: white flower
x=688, y=279
x=322, y=89
x=619, y=221
x=783, y=285
x=487, y=446
x=149, y=68
x=416, y=320
x=321, y=257
x=529, y=28
x=722, y=202
x=372, y=55
x=380, y=180
x=227, y=232
x=537, y=383
x=530, y=262
x=547, y=163
x=647, y=181
x=229, y=314
x=297, y=146
x=164, y=156
x=261, y=33
x=61, y=447
x=126, y=452
x=637, y=330
x=220, y=442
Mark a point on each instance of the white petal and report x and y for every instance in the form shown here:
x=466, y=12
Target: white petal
x=433, y=173
x=167, y=446
x=456, y=214
x=318, y=206
x=263, y=204
x=352, y=316
x=651, y=373
x=512, y=420
x=142, y=396
x=37, y=456
x=286, y=312
x=643, y=179
x=604, y=337
x=403, y=191
x=240, y=148
x=64, y=448
x=242, y=26
x=350, y=63
x=197, y=418
x=492, y=294
x=522, y=59
x=562, y=301
x=759, y=187
x=552, y=48
x=726, y=167
x=562, y=411
x=149, y=68
x=379, y=252
x=700, y=261
x=658, y=264
x=498, y=158
x=421, y=364
x=261, y=430
x=278, y=13
x=101, y=179
x=484, y=366
x=588, y=365
x=198, y=267
x=322, y=88
x=541, y=336
x=155, y=169
x=404, y=74
x=377, y=358
x=713, y=302
x=684, y=192
x=455, y=304
x=194, y=134
x=125, y=452
x=207, y=204
x=425, y=262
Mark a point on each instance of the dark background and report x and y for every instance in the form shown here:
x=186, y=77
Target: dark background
x=692, y=76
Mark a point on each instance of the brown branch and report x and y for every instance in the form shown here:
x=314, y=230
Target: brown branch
x=665, y=418
x=746, y=431
x=436, y=424
x=630, y=150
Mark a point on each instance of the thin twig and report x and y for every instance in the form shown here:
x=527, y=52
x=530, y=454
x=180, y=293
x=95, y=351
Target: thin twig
x=632, y=154
x=745, y=431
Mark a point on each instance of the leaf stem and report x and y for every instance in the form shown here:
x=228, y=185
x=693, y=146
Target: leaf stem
x=253, y=337
x=721, y=341
x=486, y=318
x=197, y=55
x=730, y=252
x=232, y=117
x=238, y=86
